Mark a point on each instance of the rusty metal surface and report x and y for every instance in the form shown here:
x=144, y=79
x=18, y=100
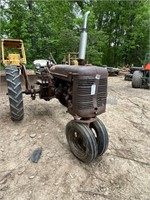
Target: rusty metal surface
x=86, y=103
x=82, y=89
x=66, y=71
x=24, y=74
x=88, y=88
x=46, y=86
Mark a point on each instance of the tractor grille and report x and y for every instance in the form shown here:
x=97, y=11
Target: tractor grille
x=84, y=99
x=102, y=92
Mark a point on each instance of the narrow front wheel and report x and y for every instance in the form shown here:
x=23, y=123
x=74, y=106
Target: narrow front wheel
x=101, y=135
x=81, y=141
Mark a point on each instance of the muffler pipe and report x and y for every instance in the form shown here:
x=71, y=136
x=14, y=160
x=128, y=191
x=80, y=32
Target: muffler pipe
x=83, y=40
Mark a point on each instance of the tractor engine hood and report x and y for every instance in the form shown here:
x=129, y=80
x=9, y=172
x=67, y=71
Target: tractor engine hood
x=66, y=72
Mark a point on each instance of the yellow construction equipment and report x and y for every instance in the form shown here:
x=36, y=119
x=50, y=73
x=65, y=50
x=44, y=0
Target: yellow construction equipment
x=71, y=58
x=13, y=52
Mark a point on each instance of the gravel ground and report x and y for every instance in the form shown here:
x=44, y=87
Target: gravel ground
x=122, y=174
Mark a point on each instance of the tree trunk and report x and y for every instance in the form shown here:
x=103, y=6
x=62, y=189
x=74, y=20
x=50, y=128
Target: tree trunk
x=31, y=29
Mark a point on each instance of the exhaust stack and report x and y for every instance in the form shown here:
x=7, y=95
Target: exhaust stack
x=83, y=40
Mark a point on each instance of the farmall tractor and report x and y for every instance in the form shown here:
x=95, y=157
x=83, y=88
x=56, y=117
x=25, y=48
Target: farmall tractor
x=81, y=89
x=141, y=78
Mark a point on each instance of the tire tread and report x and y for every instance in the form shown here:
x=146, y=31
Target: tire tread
x=14, y=93
x=137, y=79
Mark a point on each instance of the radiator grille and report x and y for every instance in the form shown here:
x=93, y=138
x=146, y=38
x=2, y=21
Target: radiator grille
x=102, y=92
x=84, y=99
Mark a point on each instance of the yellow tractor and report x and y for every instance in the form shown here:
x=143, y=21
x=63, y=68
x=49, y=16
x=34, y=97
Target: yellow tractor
x=13, y=52
x=14, y=59
x=71, y=58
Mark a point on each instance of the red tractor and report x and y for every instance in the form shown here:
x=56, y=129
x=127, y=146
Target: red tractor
x=81, y=89
x=141, y=78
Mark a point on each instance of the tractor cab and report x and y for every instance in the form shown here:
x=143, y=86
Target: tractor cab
x=13, y=52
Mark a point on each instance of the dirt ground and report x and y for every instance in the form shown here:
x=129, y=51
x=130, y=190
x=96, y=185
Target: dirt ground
x=122, y=174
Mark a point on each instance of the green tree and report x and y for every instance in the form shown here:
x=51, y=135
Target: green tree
x=118, y=31
x=126, y=25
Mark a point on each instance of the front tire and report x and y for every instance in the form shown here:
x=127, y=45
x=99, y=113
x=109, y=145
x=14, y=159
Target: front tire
x=81, y=141
x=100, y=132
x=137, y=79
x=14, y=93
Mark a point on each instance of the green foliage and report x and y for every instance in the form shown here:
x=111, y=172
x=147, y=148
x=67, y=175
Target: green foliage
x=2, y=68
x=118, y=31
x=126, y=25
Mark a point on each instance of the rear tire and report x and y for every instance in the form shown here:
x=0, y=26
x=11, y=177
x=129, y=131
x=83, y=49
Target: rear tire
x=14, y=93
x=81, y=141
x=137, y=79
x=101, y=135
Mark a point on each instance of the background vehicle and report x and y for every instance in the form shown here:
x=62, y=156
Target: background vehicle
x=71, y=58
x=141, y=78
x=14, y=59
x=128, y=77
